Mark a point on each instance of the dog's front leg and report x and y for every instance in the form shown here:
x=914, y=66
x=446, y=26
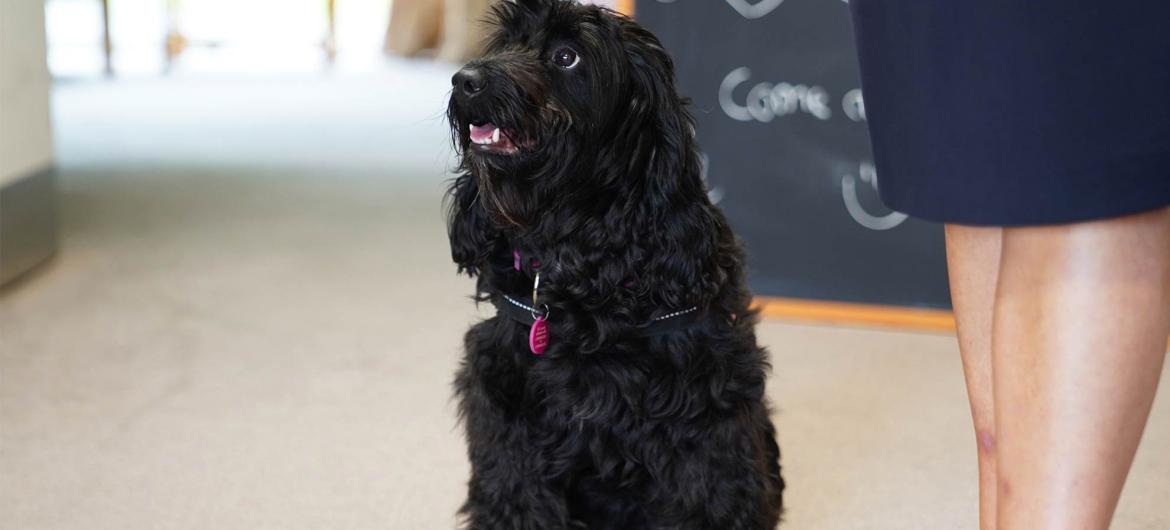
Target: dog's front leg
x=729, y=479
x=504, y=495
x=512, y=486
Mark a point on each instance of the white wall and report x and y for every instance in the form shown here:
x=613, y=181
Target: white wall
x=26, y=144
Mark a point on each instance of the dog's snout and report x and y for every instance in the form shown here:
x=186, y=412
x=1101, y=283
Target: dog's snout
x=469, y=80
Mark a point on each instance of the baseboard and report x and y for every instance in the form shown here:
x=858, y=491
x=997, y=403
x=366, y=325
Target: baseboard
x=28, y=223
x=857, y=314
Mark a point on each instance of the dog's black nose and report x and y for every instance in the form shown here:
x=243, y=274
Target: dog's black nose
x=469, y=80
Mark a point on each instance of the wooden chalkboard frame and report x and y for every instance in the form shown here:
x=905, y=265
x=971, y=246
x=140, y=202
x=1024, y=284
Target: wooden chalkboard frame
x=855, y=314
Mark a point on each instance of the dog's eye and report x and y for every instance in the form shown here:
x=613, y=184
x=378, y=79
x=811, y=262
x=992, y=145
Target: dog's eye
x=566, y=58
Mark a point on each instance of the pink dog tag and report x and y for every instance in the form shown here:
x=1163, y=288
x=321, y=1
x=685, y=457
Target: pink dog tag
x=538, y=336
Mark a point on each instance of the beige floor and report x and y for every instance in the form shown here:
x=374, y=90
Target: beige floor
x=254, y=326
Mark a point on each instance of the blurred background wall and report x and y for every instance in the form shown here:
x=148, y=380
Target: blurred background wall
x=25, y=141
x=27, y=214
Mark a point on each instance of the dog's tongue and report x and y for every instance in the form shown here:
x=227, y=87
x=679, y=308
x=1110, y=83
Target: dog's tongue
x=485, y=133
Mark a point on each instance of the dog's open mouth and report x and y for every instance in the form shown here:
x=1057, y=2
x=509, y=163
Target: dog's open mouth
x=488, y=138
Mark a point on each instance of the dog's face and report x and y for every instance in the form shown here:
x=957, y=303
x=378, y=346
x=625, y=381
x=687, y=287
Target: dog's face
x=559, y=87
x=539, y=85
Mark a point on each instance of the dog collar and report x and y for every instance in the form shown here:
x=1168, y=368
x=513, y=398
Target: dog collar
x=539, y=335
x=536, y=315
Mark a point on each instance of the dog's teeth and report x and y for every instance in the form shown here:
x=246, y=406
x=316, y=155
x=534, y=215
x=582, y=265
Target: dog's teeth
x=496, y=136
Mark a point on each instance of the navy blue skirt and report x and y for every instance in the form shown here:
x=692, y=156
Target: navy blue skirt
x=1017, y=112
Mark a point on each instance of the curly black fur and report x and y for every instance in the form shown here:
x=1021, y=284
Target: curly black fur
x=606, y=430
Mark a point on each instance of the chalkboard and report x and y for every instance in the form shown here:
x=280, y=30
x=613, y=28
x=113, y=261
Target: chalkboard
x=781, y=121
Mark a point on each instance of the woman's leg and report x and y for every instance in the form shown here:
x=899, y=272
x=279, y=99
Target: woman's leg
x=1082, y=313
x=973, y=255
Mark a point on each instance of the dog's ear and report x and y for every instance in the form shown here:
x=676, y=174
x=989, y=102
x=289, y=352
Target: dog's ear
x=655, y=122
x=468, y=226
x=658, y=135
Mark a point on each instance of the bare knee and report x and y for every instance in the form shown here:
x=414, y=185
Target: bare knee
x=986, y=440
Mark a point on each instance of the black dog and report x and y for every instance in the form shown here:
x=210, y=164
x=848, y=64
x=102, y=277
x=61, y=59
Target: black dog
x=620, y=386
